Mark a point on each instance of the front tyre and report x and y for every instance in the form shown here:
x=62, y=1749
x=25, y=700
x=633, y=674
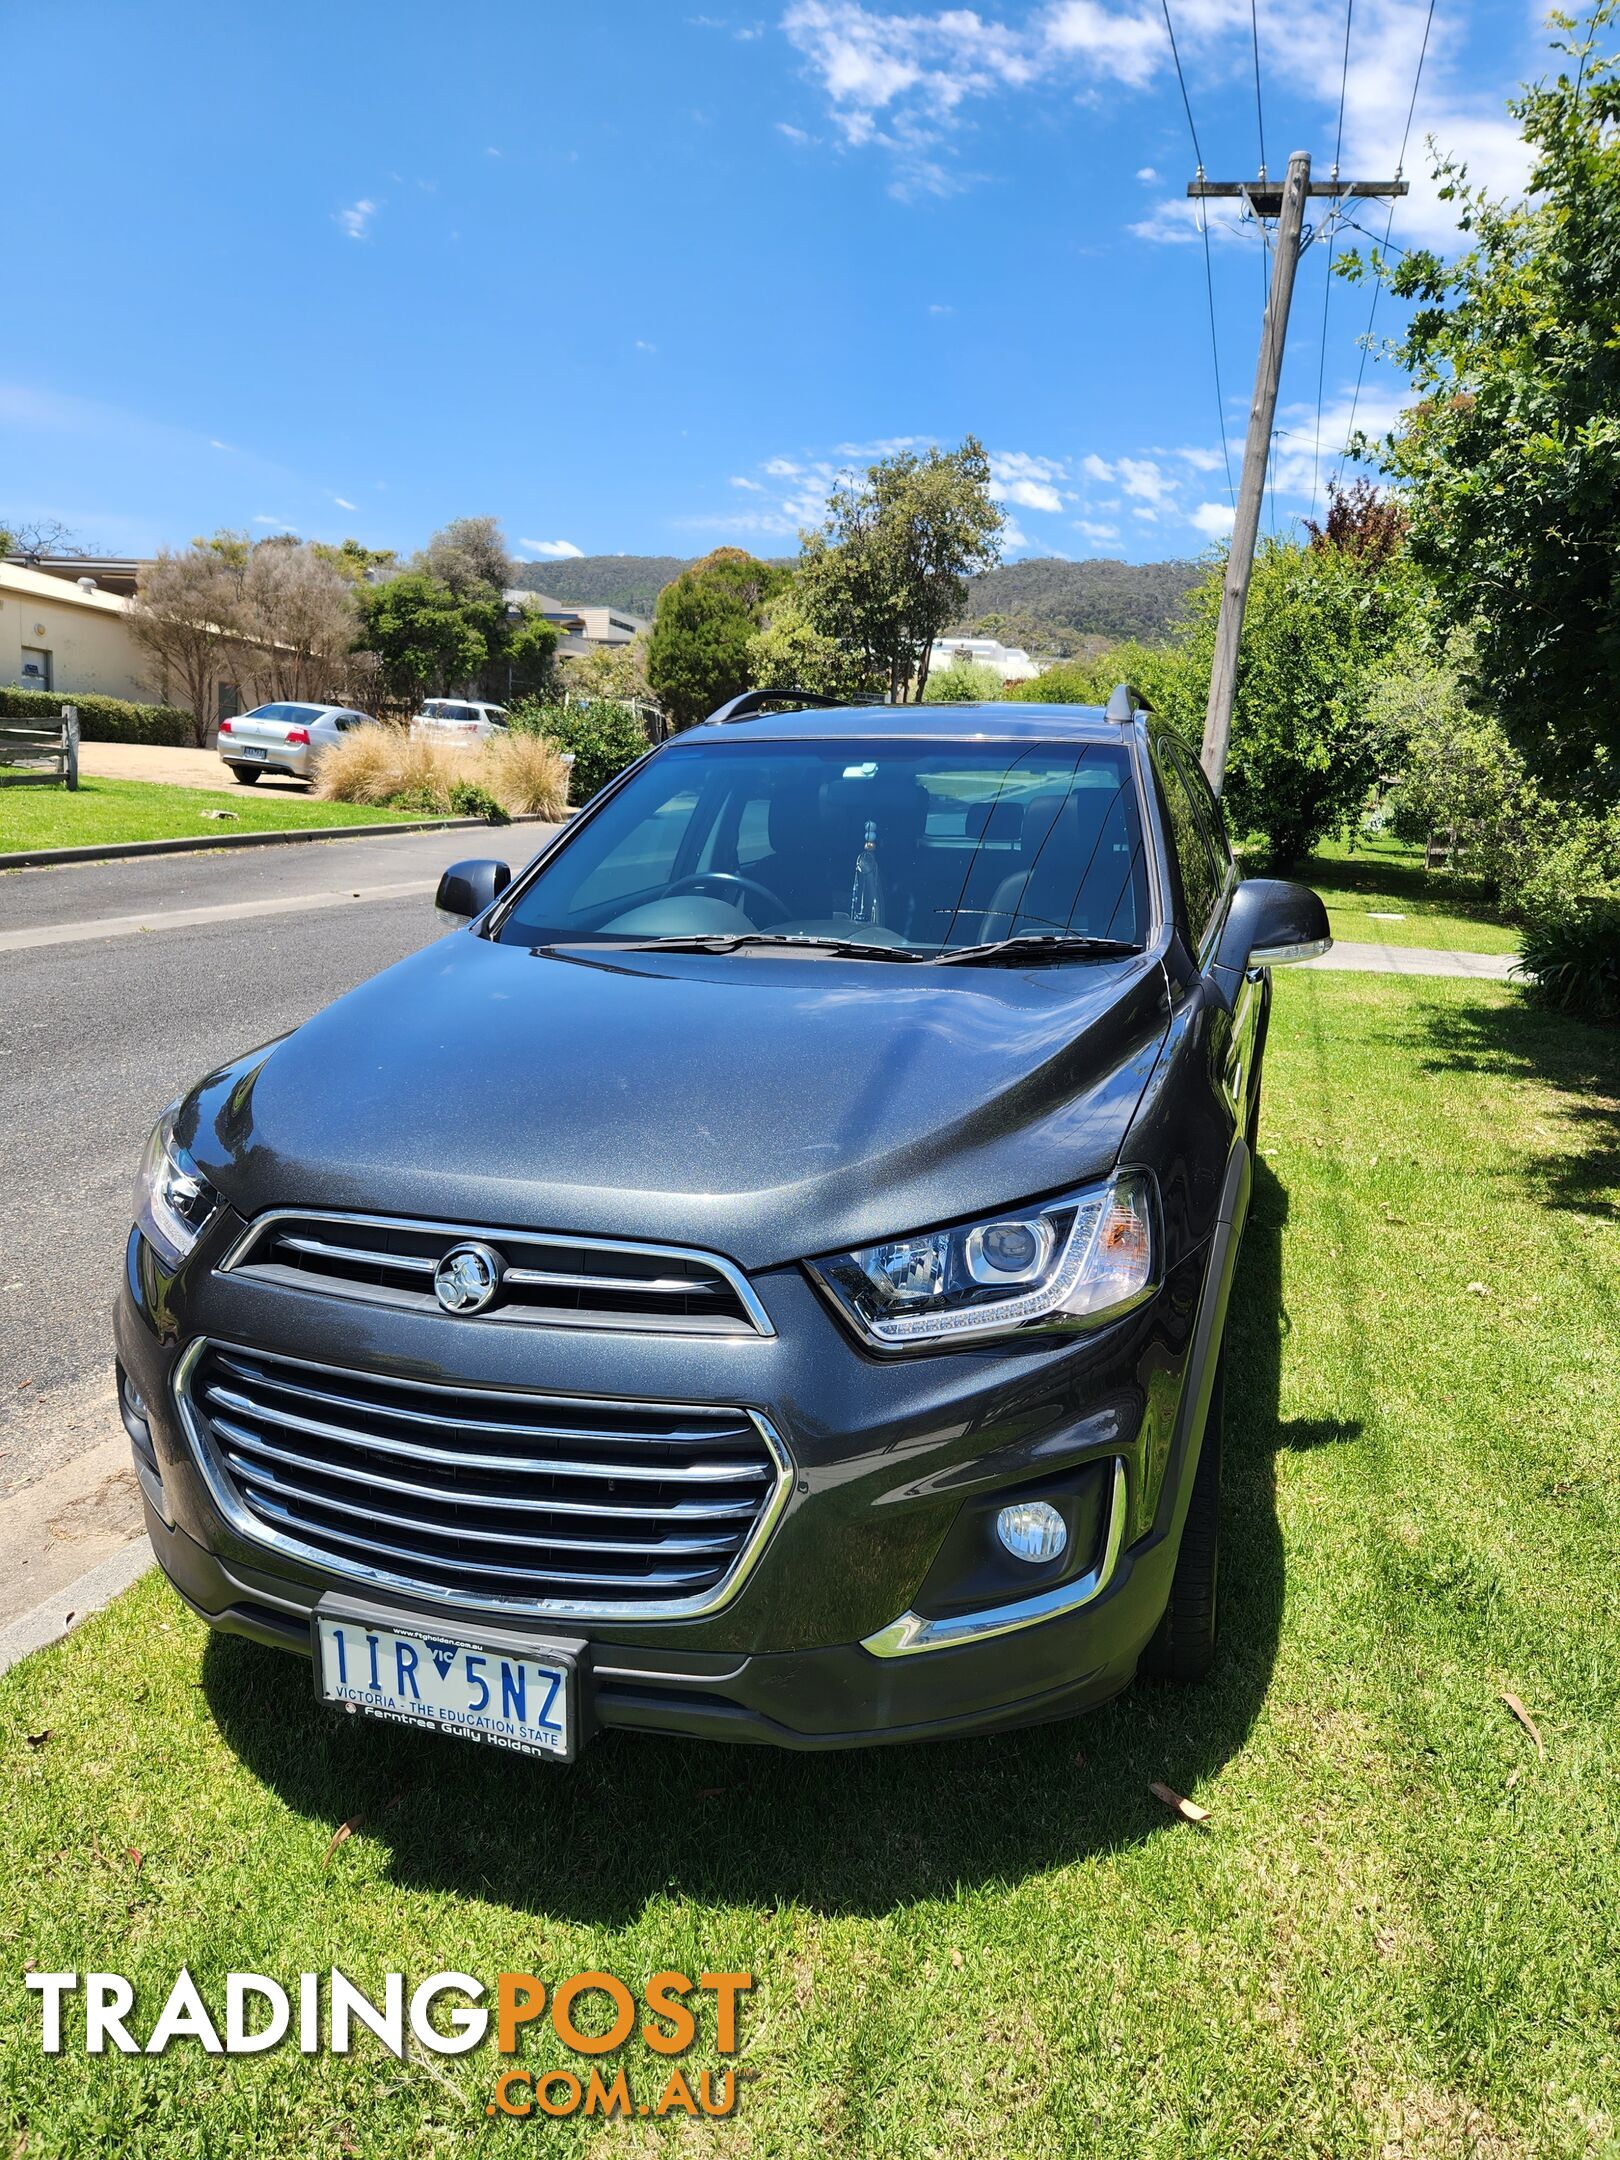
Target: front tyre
x=1183, y=1645
x=248, y=775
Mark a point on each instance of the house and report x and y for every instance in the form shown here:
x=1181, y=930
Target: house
x=590, y=626
x=1010, y=662
x=112, y=573
x=65, y=635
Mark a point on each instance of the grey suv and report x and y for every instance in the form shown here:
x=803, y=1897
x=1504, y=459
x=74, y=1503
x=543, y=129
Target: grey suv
x=762, y=1275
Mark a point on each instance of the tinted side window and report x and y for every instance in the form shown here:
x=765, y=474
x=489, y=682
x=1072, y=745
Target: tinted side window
x=1208, y=806
x=1201, y=880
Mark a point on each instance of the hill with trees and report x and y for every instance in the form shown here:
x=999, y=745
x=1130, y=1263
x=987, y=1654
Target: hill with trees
x=1046, y=603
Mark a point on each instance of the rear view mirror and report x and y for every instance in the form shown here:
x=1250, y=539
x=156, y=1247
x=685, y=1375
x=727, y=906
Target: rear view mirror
x=467, y=888
x=1271, y=923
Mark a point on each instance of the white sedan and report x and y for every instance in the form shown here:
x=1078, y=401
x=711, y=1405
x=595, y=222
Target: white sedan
x=459, y=719
x=284, y=738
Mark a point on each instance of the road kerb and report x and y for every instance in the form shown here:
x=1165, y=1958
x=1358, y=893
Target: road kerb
x=200, y=843
x=57, y=1616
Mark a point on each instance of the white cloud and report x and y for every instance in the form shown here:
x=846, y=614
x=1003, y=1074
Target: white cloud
x=903, y=80
x=1018, y=477
x=1094, y=531
x=552, y=550
x=781, y=468
x=344, y=503
x=214, y=443
x=356, y=220
x=276, y=524
x=1014, y=536
x=741, y=480
x=645, y=345
x=940, y=307
x=1212, y=519
x=1146, y=480
x=886, y=446
x=1203, y=460
x=1096, y=468
x=793, y=134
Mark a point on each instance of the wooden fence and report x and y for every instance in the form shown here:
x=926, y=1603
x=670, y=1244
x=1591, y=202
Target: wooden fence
x=44, y=756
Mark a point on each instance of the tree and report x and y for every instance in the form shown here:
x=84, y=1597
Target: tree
x=469, y=555
x=1323, y=621
x=790, y=653
x=356, y=562
x=426, y=639
x=1511, y=453
x=698, y=653
x=609, y=671
x=525, y=650
x=31, y=538
x=294, y=620
x=182, y=619
x=886, y=573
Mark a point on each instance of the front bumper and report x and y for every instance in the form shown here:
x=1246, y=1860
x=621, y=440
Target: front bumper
x=890, y=1459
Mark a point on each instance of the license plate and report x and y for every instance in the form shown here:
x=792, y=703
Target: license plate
x=506, y=1698
x=249, y=750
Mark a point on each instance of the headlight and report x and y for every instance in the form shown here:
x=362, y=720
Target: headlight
x=173, y=1200
x=1073, y=1262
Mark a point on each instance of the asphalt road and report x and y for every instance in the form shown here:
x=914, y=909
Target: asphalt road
x=99, y=1031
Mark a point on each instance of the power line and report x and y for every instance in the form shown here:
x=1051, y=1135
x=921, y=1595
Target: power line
x=1209, y=268
x=1175, y=54
x=1327, y=285
x=1389, y=224
x=1259, y=109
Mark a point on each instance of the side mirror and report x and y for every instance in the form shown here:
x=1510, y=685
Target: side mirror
x=1271, y=923
x=467, y=888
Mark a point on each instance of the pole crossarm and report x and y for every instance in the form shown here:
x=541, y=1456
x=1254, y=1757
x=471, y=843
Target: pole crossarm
x=1267, y=195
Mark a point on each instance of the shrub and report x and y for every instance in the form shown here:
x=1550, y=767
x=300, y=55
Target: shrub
x=1566, y=895
x=383, y=764
x=527, y=774
x=963, y=682
x=104, y=719
x=497, y=780
x=469, y=799
x=604, y=736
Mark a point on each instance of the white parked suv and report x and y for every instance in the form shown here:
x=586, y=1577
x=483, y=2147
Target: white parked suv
x=459, y=719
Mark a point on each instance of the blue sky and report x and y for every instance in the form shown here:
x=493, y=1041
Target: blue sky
x=636, y=278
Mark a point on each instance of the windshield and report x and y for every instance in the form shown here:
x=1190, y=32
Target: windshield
x=925, y=845
x=299, y=713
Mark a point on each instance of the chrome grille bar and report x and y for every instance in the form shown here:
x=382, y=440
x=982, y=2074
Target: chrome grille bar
x=374, y=1481
x=483, y=1498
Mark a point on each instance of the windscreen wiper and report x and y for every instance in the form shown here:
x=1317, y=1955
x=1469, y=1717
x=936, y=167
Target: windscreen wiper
x=1035, y=947
x=728, y=941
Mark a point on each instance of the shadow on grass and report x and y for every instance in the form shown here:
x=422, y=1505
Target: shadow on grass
x=1522, y=1041
x=1377, y=875
x=639, y=1820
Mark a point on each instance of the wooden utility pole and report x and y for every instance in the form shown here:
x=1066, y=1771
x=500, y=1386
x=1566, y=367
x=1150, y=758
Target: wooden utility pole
x=1284, y=203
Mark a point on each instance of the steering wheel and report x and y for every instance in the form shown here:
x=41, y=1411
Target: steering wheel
x=732, y=879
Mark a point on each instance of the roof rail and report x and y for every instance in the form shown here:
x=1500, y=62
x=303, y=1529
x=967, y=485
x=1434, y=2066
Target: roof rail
x=753, y=702
x=1124, y=703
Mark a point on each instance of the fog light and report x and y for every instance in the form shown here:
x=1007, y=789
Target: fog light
x=1032, y=1530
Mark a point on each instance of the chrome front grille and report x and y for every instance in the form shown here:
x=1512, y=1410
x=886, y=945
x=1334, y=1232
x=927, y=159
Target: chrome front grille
x=485, y=1497
x=557, y=1281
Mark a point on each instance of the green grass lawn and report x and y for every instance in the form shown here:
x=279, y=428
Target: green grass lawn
x=1384, y=877
x=106, y=812
x=1398, y=1933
